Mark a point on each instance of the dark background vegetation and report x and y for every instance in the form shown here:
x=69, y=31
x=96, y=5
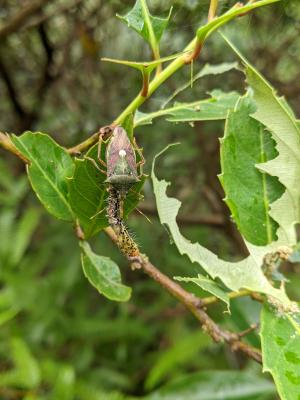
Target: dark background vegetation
x=52, y=80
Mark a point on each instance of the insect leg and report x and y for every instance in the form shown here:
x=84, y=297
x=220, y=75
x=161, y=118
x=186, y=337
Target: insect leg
x=142, y=159
x=99, y=150
x=95, y=164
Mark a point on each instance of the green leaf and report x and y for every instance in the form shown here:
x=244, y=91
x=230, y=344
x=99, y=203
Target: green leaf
x=50, y=166
x=273, y=112
x=214, y=108
x=128, y=125
x=208, y=285
x=88, y=194
x=103, y=274
x=249, y=192
x=149, y=27
x=215, y=385
x=181, y=353
x=64, y=386
x=8, y=315
x=204, y=31
x=280, y=337
x=26, y=372
x=208, y=69
x=245, y=274
x=24, y=231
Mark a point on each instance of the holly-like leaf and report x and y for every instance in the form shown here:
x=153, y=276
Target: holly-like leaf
x=274, y=113
x=249, y=192
x=280, y=338
x=245, y=274
x=208, y=69
x=214, y=108
x=103, y=274
x=215, y=385
x=208, y=285
x=145, y=24
x=50, y=167
x=88, y=193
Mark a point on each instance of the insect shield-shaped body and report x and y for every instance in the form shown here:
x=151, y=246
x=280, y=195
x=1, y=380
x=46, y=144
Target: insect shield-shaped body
x=121, y=161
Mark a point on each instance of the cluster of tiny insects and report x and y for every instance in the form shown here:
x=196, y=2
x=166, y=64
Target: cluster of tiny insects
x=121, y=169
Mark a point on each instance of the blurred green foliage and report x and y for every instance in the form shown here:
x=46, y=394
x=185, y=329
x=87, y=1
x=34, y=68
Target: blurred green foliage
x=58, y=338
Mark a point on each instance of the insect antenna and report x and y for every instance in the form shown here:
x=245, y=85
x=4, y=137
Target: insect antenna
x=144, y=215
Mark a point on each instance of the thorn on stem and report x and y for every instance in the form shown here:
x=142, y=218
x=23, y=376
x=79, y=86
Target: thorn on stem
x=194, y=54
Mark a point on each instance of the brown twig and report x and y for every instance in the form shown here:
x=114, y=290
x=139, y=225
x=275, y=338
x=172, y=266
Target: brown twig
x=86, y=144
x=252, y=328
x=7, y=144
x=105, y=132
x=194, y=305
x=17, y=21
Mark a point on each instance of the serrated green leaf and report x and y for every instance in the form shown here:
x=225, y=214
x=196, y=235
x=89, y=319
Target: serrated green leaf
x=274, y=113
x=146, y=25
x=215, y=385
x=280, y=337
x=103, y=274
x=50, y=166
x=249, y=192
x=208, y=69
x=245, y=274
x=181, y=353
x=208, y=285
x=214, y=108
x=88, y=194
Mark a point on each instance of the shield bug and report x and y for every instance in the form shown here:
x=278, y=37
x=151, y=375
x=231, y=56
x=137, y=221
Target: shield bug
x=121, y=161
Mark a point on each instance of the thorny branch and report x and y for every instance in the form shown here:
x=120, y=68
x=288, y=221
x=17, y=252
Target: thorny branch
x=190, y=53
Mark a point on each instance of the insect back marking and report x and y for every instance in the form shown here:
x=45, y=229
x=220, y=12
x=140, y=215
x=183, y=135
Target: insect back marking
x=121, y=176
x=121, y=161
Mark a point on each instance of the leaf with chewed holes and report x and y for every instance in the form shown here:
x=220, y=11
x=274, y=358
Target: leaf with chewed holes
x=245, y=274
x=280, y=338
